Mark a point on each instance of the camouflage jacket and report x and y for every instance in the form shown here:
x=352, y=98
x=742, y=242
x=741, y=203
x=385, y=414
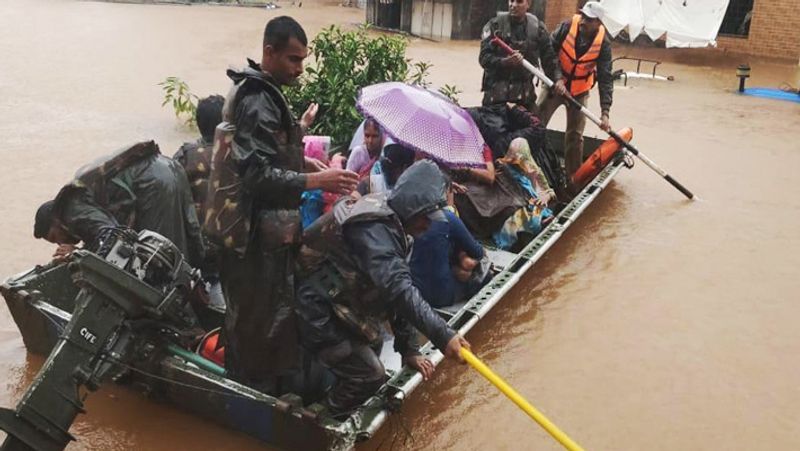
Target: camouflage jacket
x=196, y=161
x=530, y=37
x=136, y=187
x=257, y=164
x=354, y=269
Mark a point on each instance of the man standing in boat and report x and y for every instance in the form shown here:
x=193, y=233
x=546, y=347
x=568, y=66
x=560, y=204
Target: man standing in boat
x=584, y=52
x=266, y=146
x=356, y=279
x=504, y=77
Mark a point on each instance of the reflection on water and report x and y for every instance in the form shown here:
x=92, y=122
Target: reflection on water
x=654, y=323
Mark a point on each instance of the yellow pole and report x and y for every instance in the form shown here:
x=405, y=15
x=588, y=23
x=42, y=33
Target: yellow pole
x=512, y=394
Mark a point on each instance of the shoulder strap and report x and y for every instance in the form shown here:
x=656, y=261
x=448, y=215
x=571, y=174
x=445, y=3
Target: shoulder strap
x=503, y=23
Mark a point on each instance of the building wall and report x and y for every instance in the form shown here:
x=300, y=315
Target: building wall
x=558, y=11
x=774, y=32
x=774, y=28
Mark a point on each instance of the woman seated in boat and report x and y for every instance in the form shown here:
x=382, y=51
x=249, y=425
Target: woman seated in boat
x=501, y=124
x=532, y=217
x=364, y=156
x=515, y=203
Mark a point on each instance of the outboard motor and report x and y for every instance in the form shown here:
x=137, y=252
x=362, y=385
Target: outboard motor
x=134, y=287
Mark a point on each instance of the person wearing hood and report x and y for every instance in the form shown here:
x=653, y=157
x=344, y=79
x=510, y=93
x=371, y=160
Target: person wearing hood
x=134, y=187
x=356, y=278
x=257, y=273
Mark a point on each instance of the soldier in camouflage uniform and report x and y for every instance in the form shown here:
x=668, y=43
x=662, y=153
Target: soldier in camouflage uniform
x=355, y=279
x=504, y=77
x=195, y=157
x=258, y=176
x=135, y=187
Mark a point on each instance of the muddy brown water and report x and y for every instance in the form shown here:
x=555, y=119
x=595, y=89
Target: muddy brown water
x=654, y=323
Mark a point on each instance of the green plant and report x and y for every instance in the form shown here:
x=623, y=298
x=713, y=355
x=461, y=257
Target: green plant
x=451, y=92
x=344, y=62
x=184, y=103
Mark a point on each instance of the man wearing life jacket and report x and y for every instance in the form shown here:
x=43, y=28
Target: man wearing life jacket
x=505, y=80
x=258, y=175
x=584, y=52
x=354, y=278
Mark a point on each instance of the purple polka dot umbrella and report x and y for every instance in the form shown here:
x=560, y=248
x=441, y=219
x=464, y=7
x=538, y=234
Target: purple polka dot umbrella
x=425, y=121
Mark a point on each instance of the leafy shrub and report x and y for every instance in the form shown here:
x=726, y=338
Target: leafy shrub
x=344, y=62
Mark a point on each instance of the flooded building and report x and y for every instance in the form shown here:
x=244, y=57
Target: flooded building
x=769, y=28
x=438, y=19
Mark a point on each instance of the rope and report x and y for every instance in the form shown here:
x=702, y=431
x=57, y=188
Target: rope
x=179, y=383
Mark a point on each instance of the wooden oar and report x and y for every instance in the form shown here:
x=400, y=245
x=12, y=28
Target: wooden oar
x=512, y=394
x=539, y=74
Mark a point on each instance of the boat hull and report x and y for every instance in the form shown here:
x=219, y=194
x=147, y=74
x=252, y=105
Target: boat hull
x=41, y=300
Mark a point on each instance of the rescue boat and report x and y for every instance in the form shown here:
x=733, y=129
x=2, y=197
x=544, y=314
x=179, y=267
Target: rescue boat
x=42, y=300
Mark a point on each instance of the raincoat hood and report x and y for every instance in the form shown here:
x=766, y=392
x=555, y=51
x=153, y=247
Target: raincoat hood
x=421, y=189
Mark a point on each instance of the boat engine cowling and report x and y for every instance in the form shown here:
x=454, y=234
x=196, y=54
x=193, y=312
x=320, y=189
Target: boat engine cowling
x=131, y=279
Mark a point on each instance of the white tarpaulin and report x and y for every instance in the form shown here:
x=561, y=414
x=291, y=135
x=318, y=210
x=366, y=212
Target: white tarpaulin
x=687, y=23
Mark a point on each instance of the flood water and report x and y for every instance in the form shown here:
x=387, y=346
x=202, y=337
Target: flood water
x=654, y=323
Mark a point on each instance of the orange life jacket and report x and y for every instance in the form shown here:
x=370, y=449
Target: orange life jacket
x=210, y=348
x=579, y=72
x=600, y=158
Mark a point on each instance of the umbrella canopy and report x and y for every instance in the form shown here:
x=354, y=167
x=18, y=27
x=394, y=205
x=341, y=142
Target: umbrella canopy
x=687, y=23
x=425, y=121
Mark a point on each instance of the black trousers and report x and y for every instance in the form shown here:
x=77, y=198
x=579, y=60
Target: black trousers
x=358, y=370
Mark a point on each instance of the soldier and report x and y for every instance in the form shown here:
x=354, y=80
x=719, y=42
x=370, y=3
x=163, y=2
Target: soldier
x=356, y=278
x=504, y=77
x=254, y=209
x=195, y=157
x=136, y=187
